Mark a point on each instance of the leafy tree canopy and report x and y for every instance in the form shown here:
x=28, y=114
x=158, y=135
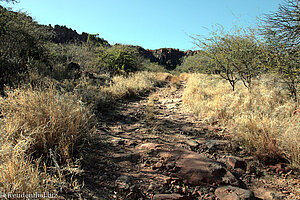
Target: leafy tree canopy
x=234, y=56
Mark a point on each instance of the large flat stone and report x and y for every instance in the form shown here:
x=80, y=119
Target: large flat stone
x=196, y=169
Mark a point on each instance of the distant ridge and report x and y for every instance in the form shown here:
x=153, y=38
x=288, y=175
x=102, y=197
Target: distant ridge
x=168, y=57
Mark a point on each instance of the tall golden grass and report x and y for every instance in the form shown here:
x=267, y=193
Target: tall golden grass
x=134, y=85
x=261, y=118
x=34, y=125
x=120, y=87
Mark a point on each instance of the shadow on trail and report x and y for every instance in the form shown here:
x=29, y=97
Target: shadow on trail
x=101, y=167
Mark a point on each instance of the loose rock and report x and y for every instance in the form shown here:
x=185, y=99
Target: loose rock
x=123, y=182
x=148, y=146
x=192, y=143
x=233, y=193
x=131, y=157
x=196, y=169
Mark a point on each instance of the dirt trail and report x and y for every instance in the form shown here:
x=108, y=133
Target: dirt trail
x=151, y=146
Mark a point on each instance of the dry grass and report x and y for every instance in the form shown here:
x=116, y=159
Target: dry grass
x=184, y=76
x=36, y=124
x=18, y=174
x=174, y=80
x=138, y=83
x=120, y=87
x=261, y=119
x=48, y=119
x=162, y=77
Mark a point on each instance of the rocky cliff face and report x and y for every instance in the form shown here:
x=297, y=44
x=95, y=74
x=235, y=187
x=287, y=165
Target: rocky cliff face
x=64, y=34
x=168, y=57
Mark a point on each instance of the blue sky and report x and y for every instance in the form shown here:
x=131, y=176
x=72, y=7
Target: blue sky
x=151, y=24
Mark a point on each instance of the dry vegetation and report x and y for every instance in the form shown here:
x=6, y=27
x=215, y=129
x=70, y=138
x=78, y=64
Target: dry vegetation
x=134, y=85
x=260, y=119
x=42, y=126
x=118, y=87
x=40, y=129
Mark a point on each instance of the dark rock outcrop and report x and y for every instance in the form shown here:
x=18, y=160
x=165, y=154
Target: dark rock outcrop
x=168, y=57
x=64, y=34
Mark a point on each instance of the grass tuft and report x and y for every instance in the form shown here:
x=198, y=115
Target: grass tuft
x=39, y=129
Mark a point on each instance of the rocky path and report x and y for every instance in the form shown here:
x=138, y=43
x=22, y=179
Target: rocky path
x=151, y=148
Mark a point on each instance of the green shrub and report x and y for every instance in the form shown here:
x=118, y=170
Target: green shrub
x=120, y=59
x=95, y=40
x=62, y=55
x=196, y=63
x=152, y=67
x=21, y=47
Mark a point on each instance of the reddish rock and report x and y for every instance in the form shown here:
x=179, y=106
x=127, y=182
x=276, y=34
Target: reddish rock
x=279, y=168
x=233, y=193
x=197, y=170
x=191, y=167
x=236, y=162
x=170, y=197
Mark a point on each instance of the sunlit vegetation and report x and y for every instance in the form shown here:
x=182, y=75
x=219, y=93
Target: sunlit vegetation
x=53, y=94
x=250, y=83
x=260, y=119
x=50, y=97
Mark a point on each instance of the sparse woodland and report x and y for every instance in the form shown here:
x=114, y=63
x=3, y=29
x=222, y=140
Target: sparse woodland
x=53, y=96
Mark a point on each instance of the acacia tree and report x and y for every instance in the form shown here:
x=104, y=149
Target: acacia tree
x=283, y=26
x=244, y=55
x=233, y=56
x=281, y=31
